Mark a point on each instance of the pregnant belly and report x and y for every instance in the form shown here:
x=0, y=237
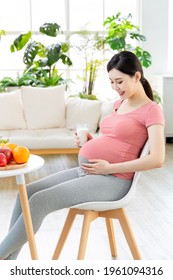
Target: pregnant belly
x=100, y=149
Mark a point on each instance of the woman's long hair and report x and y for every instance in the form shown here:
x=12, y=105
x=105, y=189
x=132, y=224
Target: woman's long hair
x=128, y=63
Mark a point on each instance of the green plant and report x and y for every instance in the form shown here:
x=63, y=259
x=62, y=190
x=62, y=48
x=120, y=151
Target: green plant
x=46, y=79
x=40, y=60
x=122, y=34
x=2, y=32
x=157, y=97
x=89, y=46
x=85, y=96
x=25, y=79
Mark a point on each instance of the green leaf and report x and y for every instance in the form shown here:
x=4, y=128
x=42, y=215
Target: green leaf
x=12, y=48
x=41, y=63
x=137, y=36
x=64, y=47
x=20, y=42
x=86, y=96
x=120, y=33
x=2, y=32
x=66, y=60
x=6, y=82
x=50, y=29
x=53, y=53
x=49, y=79
x=144, y=56
x=31, y=52
x=117, y=43
x=157, y=97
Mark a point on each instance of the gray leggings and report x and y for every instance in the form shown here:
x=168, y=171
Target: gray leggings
x=55, y=192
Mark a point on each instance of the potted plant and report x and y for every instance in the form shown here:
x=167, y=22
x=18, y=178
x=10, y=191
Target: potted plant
x=122, y=34
x=9, y=84
x=90, y=47
x=40, y=60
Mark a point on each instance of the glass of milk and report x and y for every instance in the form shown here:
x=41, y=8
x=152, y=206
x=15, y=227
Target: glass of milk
x=82, y=129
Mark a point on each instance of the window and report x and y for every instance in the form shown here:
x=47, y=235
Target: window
x=71, y=15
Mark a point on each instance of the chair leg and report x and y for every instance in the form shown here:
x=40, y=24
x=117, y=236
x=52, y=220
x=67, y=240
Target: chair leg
x=111, y=236
x=64, y=234
x=121, y=215
x=89, y=216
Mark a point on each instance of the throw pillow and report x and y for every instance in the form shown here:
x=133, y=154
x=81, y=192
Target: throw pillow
x=11, y=112
x=83, y=111
x=44, y=107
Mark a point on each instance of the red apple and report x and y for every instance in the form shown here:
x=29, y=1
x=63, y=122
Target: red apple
x=7, y=152
x=3, y=160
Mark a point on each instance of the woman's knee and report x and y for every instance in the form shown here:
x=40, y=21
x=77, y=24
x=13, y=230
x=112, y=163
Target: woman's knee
x=37, y=202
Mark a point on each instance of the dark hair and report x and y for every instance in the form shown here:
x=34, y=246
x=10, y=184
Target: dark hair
x=128, y=63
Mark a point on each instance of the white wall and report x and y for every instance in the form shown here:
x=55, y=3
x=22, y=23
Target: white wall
x=154, y=25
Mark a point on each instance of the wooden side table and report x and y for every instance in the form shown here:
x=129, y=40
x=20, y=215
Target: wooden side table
x=34, y=163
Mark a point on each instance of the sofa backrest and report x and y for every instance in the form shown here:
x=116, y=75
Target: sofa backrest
x=40, y=108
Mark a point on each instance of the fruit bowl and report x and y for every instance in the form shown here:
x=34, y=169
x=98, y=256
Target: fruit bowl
x=13, y=165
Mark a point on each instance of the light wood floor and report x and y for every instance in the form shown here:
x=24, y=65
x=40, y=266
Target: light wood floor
x=150, y=214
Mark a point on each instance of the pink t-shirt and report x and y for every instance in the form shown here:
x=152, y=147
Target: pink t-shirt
x=123, y=135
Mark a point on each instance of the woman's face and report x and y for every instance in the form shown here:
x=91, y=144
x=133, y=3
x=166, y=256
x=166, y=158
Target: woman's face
x=123, y=84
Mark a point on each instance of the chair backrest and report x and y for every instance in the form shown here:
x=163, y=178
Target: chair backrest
x=108, y=205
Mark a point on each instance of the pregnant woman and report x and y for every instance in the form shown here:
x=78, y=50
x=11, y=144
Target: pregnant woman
x=106, y=163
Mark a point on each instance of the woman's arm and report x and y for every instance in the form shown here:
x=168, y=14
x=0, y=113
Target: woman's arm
x=154, y=159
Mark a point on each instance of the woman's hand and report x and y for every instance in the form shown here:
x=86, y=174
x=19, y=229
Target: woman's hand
x=77, y=140
x=97, y=166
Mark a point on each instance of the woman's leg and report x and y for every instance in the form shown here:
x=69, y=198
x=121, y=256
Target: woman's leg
x=42, y=184
x=36, y=186
x=64, y=195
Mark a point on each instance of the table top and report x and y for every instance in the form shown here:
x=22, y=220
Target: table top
x=34, y=162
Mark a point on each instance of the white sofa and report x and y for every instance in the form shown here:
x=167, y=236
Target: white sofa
x=43, y=120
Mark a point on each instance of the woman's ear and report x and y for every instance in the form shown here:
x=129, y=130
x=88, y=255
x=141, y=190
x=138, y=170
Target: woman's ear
x=137, y=76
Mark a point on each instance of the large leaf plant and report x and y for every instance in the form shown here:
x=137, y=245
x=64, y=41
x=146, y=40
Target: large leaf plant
x=122, y=34
x=40, y=60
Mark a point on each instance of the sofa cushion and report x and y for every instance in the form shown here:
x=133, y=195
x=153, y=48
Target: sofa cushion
x=11, y=111
x=50, y=138
x=83, y=111
x=44, y=107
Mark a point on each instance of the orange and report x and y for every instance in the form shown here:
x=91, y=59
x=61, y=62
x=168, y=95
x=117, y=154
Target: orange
x=12, y=146
x=21, y=154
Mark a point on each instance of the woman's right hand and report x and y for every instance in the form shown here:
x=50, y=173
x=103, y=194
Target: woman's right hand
x=77, y=140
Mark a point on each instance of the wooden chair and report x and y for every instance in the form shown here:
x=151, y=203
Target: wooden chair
x=108, y=210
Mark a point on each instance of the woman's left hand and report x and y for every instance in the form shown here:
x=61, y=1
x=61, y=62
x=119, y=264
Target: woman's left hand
x=97, y=166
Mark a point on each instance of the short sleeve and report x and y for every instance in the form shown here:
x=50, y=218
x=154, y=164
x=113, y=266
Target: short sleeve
x=117, y=104
x=155, y=115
